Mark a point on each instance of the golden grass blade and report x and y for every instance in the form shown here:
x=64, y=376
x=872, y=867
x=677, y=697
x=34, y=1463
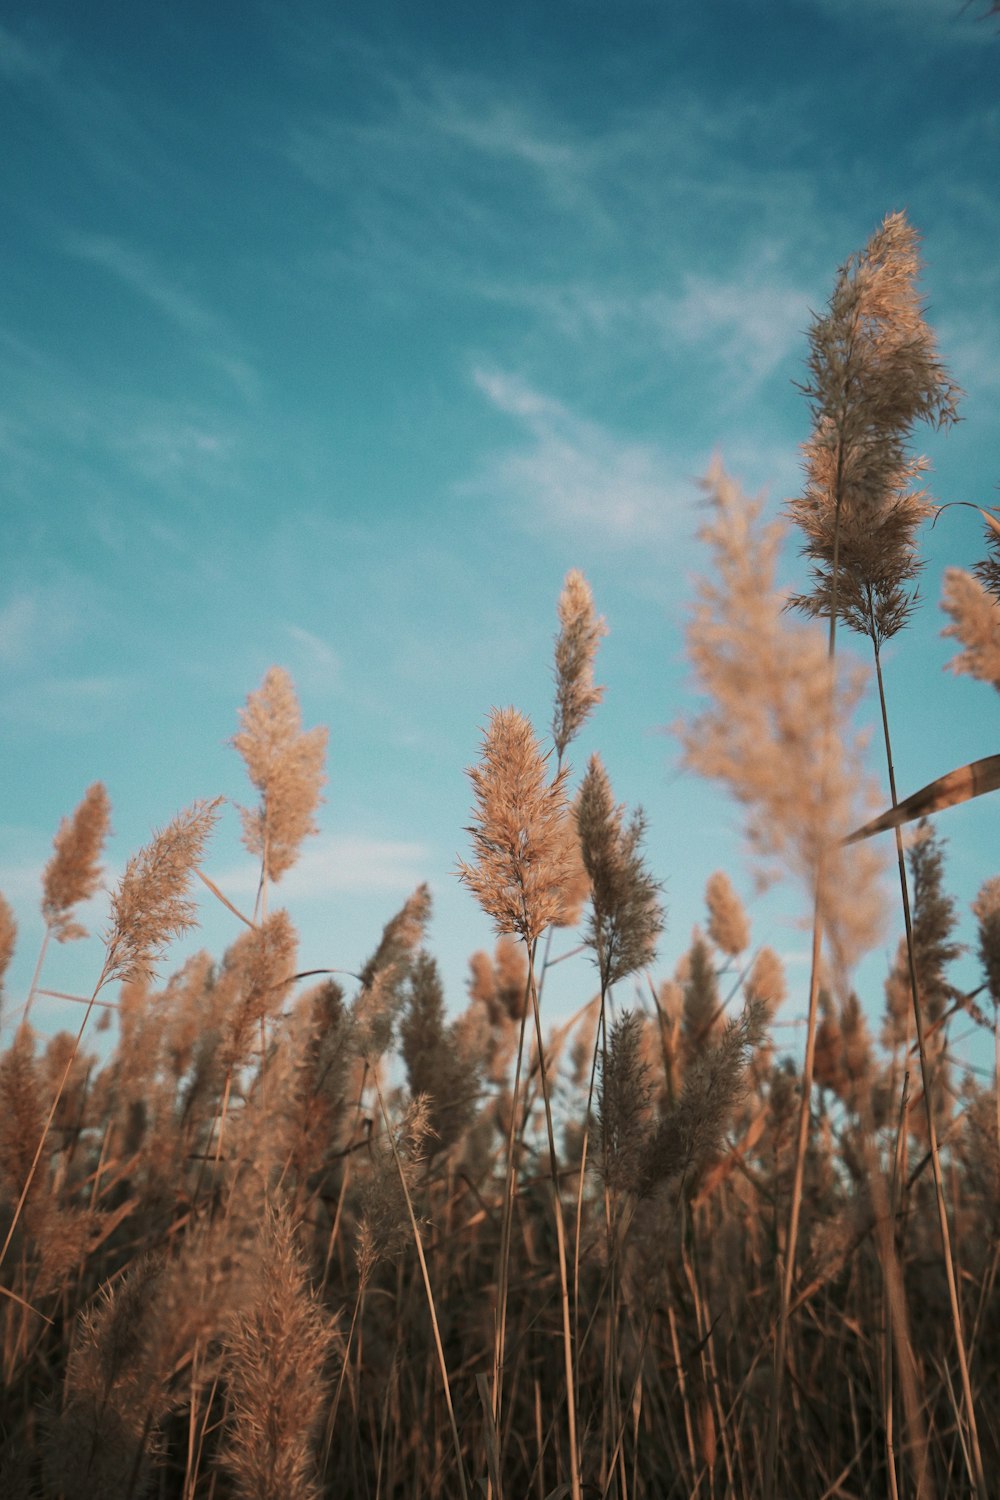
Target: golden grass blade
x=224, y=899
x=960, y=785
x=6, y=1292
x=78, y=999
x=490, y=1435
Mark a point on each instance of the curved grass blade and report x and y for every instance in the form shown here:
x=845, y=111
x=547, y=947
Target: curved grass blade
x=960, y=785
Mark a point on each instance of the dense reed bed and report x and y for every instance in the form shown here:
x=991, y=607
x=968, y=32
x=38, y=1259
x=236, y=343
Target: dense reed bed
x=300, y=1235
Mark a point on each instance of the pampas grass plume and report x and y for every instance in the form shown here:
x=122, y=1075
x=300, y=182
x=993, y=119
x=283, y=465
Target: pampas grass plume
x=522, y=837
x=8, y=938
x=277, y=1347
x=975, y=622
x=728, y=926
x=576, y=647
x=73, y=874
x=285, y=764
x=151, y=904
x=781, y=750
x=626, y=913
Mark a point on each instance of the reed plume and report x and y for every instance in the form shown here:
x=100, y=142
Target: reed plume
x=100, y=1444
x=987, y=570
x=73, y=874
x=874, y=373
x=254, y=983
x=21, y=1112
x=783, y=754
x=8, y=939
x=277, y=1348
x=285, y=764
x=435, y=1065
x=384, y=1229
x=401, y=938
x=151, y=904
x=975, y=622
x=623, y=1104
x=767, y=981
x=626, y=916
x=728, y=926
x=577, y=695
x=522, y=838
x=986, y=909
x=702, y=1007
x=691, y=1130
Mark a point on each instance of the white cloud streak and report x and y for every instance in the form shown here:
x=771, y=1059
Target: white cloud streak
x=334, y=865
x=573, y=473
x=207, y=331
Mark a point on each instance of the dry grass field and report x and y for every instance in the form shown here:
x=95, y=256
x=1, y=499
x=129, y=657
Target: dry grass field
x=301, y=1234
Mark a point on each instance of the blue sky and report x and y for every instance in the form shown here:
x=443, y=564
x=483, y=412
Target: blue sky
x=333, y=337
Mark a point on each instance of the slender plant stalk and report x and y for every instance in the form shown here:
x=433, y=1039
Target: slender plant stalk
x=503, y=1271
x=36, y=976
x=574, y=1459
x=584, y=1148
x=808, y=1065
x=425, y=1276
x=977, y=1470
x=71, y=1059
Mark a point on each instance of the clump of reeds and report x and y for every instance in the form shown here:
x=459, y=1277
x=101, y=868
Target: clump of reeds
x=291, y=1234
x=277, y=1348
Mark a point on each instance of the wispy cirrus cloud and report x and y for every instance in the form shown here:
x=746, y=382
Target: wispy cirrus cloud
x=317, y=666
x=21, y=62
x=65, y=705
x=572, y=472
x=334, y=865
x=207, y=330
x=755, y=320
x=38, y=620
x=956, y=25
x=97, y=121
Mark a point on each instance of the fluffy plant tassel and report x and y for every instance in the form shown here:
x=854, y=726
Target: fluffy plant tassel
x=277, y=1349
x=781, y=749
x=522, y=836
x=285, y=764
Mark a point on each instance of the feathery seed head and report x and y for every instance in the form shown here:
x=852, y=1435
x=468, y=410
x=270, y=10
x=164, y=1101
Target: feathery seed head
x=8, y=937
x=988, y=570
x=874, y=373
x=766, y=981
x=626, y=914
x=285, y=764
x=691, y=1129
x=436, y=1067
x=986, y=909
x=401, y=936
x=576, y=647
x=576, y=891
x=702, y=1017
x=21, y=1113
x=975, y=621
x=385, y=1228
x=727, y=921
x=254, y=982
x=623, y=1103
x=151, y=904
x=785, y=754
x=74, y=872
x=277, y=1347
x=522, y=837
